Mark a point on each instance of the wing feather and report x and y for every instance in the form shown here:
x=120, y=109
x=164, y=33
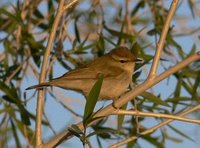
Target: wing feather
x=91, y=73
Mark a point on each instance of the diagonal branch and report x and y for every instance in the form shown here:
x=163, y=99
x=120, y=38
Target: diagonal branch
x=161, y=41
x=155, y=127
x=127, y=97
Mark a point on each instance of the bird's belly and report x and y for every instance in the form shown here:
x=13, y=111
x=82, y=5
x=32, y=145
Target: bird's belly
x=115, y=87
x=111, y=90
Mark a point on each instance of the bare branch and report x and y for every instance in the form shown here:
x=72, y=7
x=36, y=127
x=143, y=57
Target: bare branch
x=161, y=41
x=155, y=127
x=71, y=4
x=157, y=115
x=127, y=97
x=40, y=102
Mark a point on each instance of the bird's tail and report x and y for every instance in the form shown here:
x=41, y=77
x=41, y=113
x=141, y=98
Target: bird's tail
x=39, y=86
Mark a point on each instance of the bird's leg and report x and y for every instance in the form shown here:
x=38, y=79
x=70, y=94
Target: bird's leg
x=113, y=103
x=115, y=99
x=131, y=86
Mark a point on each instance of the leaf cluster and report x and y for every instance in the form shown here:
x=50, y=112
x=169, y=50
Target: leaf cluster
x=90, y=31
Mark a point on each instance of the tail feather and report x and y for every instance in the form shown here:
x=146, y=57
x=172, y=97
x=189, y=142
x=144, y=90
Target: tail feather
x=39, y=86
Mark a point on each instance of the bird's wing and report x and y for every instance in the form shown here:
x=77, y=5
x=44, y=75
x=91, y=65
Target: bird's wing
x=80, y=73
x=91, y=73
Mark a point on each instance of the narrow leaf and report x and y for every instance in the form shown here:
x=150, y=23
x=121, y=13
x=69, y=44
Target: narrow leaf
x=16, y=136
x=119, y=34
x=154, y=99
x=180, y=133
x=76, y=30
x=120, y=118
x=92, y=100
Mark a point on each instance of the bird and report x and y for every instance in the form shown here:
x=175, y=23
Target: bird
x=117, y=68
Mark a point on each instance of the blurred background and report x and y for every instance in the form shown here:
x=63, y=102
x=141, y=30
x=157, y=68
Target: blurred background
x=88, y=30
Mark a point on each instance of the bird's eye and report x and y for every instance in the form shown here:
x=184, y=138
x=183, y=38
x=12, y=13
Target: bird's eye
x=123, y=61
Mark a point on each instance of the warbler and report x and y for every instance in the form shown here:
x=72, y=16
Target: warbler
x=116, y=67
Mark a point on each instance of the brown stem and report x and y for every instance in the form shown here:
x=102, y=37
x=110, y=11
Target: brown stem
x=127, y=97
x=40, y=101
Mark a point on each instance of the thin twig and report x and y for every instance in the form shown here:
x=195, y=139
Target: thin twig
x=127, y=97
x=9, y=78
x=161, y=41
x=157, y=115
x=155, y=127
x=40, y=101
x=70, y=5
x=2, y=56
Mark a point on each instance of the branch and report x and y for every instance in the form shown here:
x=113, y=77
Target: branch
x=127, y=97
x=71, y=4
x=2, y=56
x=155, y=127
x=161, y=41
x=9, y=78
x=151, y=81
x=40, y=101
x=157, y=115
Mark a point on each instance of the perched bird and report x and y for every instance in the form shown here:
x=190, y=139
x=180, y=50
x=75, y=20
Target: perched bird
x=116, y=67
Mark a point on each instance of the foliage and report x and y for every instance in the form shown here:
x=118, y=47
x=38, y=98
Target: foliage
x=92, y=28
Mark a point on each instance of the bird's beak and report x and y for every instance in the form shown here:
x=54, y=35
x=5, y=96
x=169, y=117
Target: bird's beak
x=139, y=60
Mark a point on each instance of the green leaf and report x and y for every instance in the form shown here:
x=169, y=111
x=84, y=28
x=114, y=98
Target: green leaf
x=16, y=136
x=195, y=88
x=12, y=97
x=10, y=15
x=153, y=140
x=135, y=49
x=119, y=34
x=38, y=14
x=13, y=69
x=103, y=132
x=139, y=5
x=92, y=100
x=187, y=87
x=146, y=58
x=173, y=42
x=192, y=7
x=75, y=130
x=4, y=110
x=29, y=132
x=11, y=93
x=120, y=118
x=193, y=50
x=177, y=90
x=152, y=32
x=109, y=40
x=136, y=75
x=76, y=30
x=100, y=45
x=9, y=48
x=24, y=115
x=180, y=133
x=178, y=99
x=151, y=97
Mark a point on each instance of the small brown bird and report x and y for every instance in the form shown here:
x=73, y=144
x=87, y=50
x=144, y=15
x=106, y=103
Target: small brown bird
x=116, y=67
